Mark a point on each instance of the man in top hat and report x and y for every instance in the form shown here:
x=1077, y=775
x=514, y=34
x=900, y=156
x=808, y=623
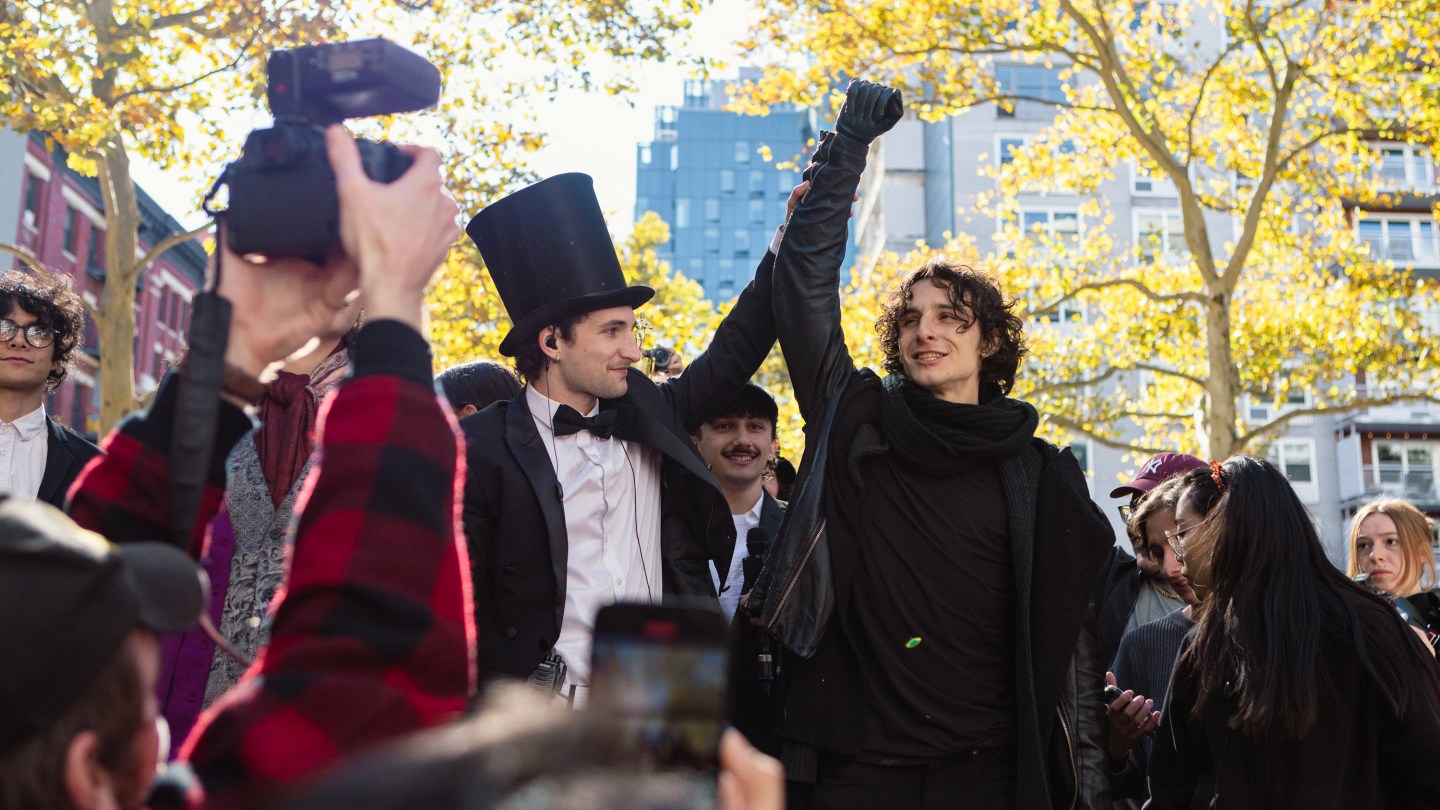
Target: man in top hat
x=586, y=488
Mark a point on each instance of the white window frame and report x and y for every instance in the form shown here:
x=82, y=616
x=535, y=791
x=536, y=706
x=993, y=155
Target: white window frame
x=1050, y=211
x=1167, y=250
x=1292, y=450
x=1160, y=185
x=1423, y=254
x=1420, y=167
x=1433, y=447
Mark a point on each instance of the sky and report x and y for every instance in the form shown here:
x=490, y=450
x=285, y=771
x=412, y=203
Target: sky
x=576, y=143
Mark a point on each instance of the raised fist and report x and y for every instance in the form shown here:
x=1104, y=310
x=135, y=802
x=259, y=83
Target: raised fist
x=870, y=111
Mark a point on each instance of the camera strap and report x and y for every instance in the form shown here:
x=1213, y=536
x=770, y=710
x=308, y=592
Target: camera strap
x=197, y=417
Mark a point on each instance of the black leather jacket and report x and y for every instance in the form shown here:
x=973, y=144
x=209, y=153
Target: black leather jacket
x=1061, y=724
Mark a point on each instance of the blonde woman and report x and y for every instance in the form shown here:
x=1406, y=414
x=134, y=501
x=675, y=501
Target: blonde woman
x=1390, y=551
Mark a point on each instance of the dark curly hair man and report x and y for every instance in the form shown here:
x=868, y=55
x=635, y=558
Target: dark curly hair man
x=41, y=322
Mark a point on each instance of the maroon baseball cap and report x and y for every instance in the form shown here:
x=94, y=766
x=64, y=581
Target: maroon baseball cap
x=1155, y=472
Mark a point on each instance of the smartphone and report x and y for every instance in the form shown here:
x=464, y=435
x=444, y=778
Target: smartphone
x=662, y=669
x=1111, y=693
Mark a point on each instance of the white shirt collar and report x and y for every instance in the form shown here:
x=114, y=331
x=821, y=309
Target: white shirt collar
x=31, y=424
x=753, y=514
x=543, y=407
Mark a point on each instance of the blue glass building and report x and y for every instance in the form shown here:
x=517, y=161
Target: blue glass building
x=706, y=175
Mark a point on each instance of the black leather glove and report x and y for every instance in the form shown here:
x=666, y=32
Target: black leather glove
x=870, y=111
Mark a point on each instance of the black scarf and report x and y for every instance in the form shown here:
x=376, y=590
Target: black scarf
x=942, y=437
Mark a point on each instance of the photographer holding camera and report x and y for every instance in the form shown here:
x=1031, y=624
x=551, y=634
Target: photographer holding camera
x=371, y=637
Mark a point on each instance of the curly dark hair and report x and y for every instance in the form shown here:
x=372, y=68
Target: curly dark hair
x=530, y=361
x=978, y=299
x=52, y=299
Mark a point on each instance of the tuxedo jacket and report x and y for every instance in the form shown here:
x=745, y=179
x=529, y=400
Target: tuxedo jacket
x=513, y=512
x=753, y=710
x=65, y=456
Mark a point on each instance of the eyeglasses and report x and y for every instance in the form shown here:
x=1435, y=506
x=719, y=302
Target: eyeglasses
x=1176, y=539
x=36, y=335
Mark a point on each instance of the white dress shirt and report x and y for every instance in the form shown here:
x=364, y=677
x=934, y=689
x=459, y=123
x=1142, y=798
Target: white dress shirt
x=730, y=598
x=24, y=449
x=610, y=489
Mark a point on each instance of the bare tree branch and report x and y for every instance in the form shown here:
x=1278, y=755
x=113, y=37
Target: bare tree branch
x=165, y=244
x=1162, y=298
x=1348, y=407
x=1168, y=372
x=24, y=254
x=1100, y=438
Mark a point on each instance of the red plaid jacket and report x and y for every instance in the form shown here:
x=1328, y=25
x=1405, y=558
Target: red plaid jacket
x=372, y=635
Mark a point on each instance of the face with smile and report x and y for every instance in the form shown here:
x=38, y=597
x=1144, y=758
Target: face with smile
x=24, y=368
x=593, y=363
x=1378, y=551
x=737, y=449
x=940, y=346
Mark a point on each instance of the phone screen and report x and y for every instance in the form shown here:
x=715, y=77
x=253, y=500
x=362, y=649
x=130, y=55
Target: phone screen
x=662, y=671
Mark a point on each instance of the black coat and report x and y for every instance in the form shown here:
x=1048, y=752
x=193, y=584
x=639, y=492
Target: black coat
x=513, y=513
x=1059, y=539
x=66, y=454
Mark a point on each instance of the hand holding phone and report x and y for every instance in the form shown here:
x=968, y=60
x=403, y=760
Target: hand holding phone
x=661, y=669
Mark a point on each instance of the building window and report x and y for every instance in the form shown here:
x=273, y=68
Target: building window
x=1032, y=82
x=1405, y=166
x=727, y=181
x=682, y=212
x=712, y=240
x=1060, y=226
x=757, y=212
x=1407, y=239
x=79, y=398
x=727, y=271
x=1296, y=458
x=712, y=210
x=785, y=182
x=72, y=230
x=697, y=269
x=95, y=254
x=34, y=187
x=742, y=242
x=1148, y=184
x=674, y=156
x=1404, y=469
x=645, y=155
x=1009, y=145
x=742, y=151
x=1160, y=236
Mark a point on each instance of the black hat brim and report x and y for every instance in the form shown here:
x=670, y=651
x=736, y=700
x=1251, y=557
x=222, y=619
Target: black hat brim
x=529, y=326
x=170, y=590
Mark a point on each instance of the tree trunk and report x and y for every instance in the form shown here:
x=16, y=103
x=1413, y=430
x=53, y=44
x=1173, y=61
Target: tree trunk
x=1217, y=431
x=116, y=321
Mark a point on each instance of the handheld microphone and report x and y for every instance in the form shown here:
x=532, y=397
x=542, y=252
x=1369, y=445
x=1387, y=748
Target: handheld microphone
x=757, y=543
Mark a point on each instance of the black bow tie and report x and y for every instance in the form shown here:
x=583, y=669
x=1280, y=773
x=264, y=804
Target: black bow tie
x=568, y=421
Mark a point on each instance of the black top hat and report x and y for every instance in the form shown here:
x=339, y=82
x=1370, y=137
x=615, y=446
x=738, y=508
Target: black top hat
x=551, y=257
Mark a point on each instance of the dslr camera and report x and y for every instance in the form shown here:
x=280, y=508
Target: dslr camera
x=282, y=197
x=659, y=358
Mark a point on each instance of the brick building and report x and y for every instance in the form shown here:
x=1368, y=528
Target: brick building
x=61, y=219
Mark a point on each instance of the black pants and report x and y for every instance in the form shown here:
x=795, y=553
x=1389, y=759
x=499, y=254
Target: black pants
x=978, y=779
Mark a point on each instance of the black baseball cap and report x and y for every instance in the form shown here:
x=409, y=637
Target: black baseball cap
x=68, y=599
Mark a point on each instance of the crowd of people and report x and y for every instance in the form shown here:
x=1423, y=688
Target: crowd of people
x=387, y=596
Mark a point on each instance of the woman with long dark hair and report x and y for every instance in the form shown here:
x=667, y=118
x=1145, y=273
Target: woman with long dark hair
x=1299, y=688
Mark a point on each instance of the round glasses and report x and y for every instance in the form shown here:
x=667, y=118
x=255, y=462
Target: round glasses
x=36, y=335
x=1176, y=539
